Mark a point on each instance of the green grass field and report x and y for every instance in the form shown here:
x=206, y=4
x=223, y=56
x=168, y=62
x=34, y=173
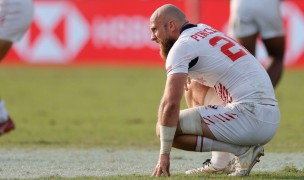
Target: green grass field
x=87, y=107
x=95, y=107
x=112, y=107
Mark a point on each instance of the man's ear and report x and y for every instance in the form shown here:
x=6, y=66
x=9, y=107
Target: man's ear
x=172, y=26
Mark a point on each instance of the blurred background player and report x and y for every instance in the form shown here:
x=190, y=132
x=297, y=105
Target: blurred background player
x=15, y=18
x=248, y=21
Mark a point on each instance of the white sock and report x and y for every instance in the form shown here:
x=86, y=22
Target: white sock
x=199, y=144
x=203, y=144
x=219, y=159
x=3, y=112
x=213, y=145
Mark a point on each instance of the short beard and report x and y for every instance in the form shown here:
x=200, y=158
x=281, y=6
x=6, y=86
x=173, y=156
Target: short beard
x=165, y=47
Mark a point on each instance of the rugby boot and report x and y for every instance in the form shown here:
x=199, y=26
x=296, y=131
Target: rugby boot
x=245, y=162
x=207, y=167
x=6, y=126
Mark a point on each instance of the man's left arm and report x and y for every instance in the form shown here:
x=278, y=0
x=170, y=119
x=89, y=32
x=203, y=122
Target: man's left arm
x=169, y=108
x=168, y=116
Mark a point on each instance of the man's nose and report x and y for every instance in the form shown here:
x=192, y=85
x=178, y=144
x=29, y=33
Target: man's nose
x=153, y=37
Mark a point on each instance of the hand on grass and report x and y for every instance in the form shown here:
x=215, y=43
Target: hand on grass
x=163, y=166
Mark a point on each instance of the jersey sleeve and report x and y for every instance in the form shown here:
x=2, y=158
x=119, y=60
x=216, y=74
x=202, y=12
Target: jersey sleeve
x=179, y=58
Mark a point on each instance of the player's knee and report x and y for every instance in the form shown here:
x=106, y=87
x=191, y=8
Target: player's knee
x=276, y=49
x=190, y=122
x=277, y=58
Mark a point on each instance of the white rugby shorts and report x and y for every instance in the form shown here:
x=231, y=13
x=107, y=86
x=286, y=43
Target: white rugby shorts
x=241, y=123
x=248, y=17
x=15, y=18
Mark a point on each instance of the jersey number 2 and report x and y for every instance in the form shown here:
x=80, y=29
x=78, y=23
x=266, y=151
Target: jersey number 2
x=225, y=48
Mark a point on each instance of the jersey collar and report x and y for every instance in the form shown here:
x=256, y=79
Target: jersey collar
x=188, y=26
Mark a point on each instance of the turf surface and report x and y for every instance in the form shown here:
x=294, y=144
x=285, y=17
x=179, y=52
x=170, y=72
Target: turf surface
x=112, y=107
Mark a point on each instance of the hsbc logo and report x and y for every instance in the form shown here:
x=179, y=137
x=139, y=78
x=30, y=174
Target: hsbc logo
x=57, y=34
x=61, y=29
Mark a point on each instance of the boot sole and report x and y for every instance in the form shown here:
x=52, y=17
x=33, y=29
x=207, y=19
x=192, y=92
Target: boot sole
x=257, y=159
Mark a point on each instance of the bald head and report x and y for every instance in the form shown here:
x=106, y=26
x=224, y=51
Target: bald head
x=167, y=13
x=166, y=23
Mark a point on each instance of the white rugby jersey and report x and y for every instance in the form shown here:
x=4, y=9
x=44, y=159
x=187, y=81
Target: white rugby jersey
x=215, y=60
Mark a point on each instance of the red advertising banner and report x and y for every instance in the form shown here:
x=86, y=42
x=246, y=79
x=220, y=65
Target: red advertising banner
x=117, y=31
